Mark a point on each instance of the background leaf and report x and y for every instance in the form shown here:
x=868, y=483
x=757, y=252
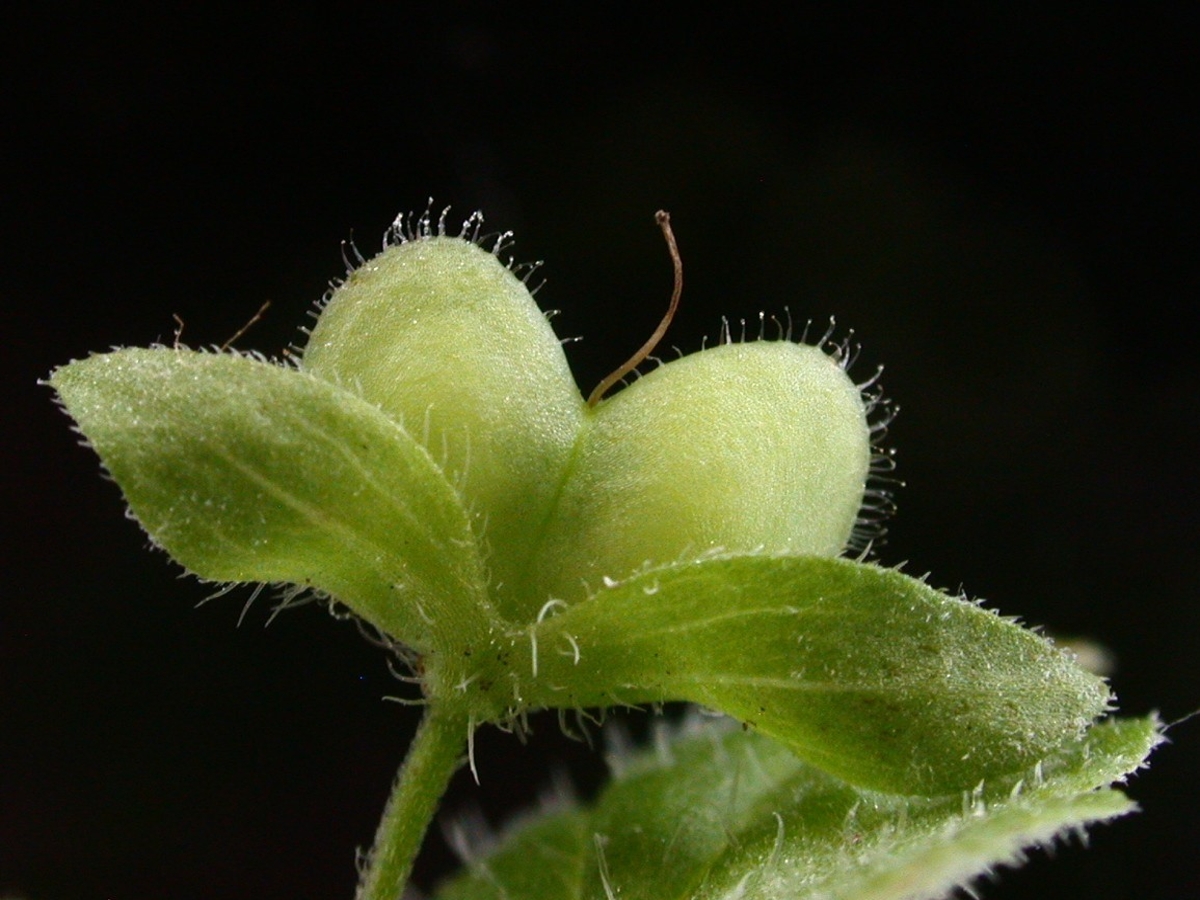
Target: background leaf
x=720, y=813
x=862, y=671
x=247, y=471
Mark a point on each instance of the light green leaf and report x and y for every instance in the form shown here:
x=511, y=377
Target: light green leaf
x=719, y=814
x=860, y=670
x=248, y=471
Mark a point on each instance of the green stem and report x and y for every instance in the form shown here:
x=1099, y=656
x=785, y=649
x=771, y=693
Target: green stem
x=435, y=755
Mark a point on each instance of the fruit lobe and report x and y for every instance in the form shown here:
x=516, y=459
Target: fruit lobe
x=740, y=448
x=441, y=336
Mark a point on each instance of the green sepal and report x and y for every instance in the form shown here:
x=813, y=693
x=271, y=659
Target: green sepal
x=713, y=813
x=243, y=470
x=862, y=671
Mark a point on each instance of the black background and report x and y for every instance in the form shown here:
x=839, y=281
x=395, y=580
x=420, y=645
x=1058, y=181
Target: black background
x=1001, y=202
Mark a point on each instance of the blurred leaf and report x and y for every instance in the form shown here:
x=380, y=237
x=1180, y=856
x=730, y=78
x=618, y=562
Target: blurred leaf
x=720, y=813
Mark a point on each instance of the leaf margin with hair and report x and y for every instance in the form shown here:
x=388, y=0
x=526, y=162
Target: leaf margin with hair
x=245, y=470
x=863, y=671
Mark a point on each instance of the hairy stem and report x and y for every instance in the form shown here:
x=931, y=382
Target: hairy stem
x=435, y=755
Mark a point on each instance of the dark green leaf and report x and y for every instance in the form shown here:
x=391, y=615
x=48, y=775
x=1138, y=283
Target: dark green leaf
x=860, y=670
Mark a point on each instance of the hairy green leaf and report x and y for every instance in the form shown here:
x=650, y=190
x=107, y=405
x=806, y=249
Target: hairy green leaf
x=860, y=670
x=248, y=471
x=718, y=814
